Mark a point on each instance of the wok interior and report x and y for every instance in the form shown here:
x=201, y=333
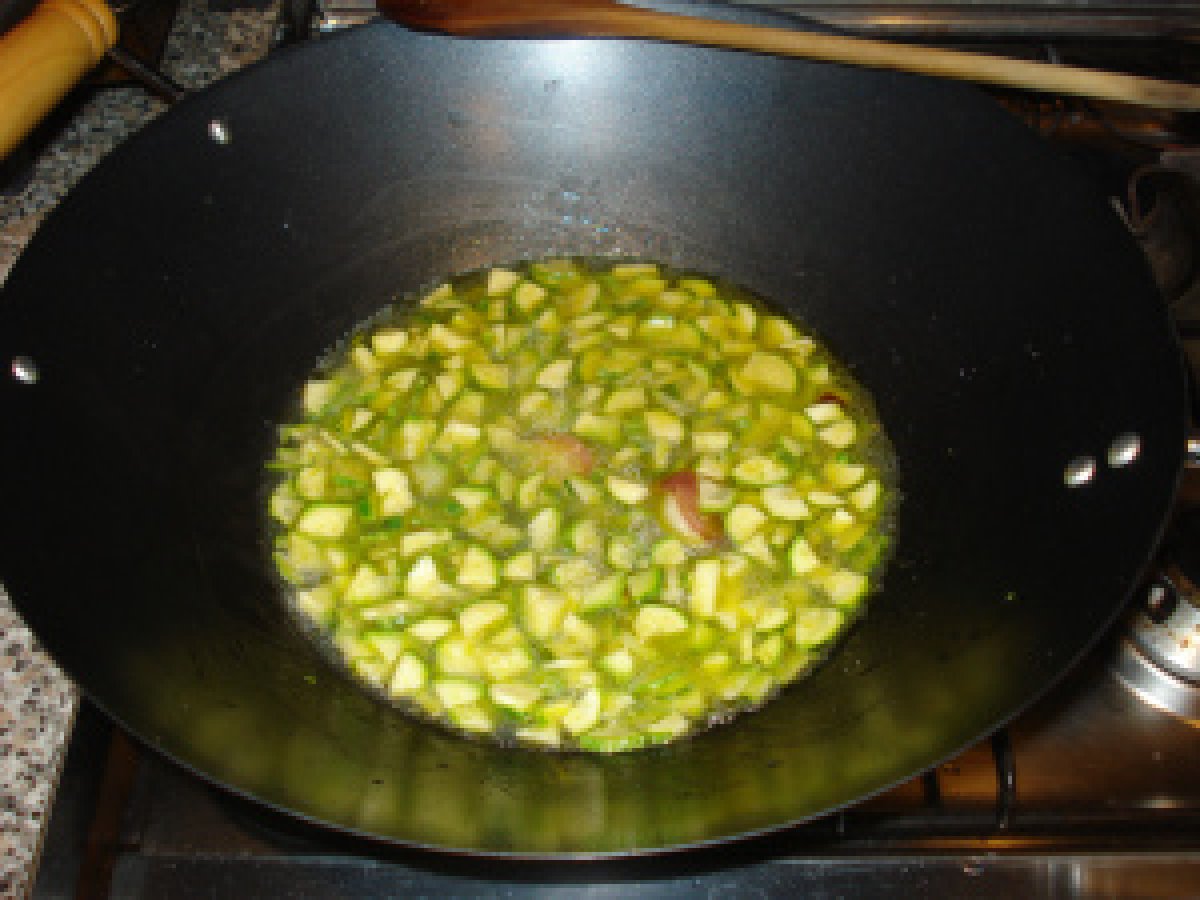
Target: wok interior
x=996, y=310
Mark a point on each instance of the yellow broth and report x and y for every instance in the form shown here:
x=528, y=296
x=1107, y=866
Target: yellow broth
x=582, y=504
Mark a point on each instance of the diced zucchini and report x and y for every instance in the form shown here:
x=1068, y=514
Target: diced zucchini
x=542, y=610
x=743, y=521
x=495, y=532
x=584, y=714
x=840, y=434
x=456, y=692
x=585, y=537
x=415, y=436
x=772, y=617
x=312, y=482
x=845, y=588
x=606, y=429
x=472, y=498
x=364, y=360
x=454, y=656
x=646, y=584
x=473, y=527
x=424, y=580
x=625, y=400
x=316, y=396
x=457, y=435
x=654, y=620
x=415, y=542
x=605, y=594
x=471, y=718
x=760, y=470
x=543, y=529
x=447, y=340
x=622, y=553
x=478, y=571
x=515, y=695
x=767, y=372
x=839, y=520
x=711, y=441
x=285, y=506
x=664, y=426
x=506, y=663
x=756, y=547
x=501, y=281
x=823, y=413
x=711, y=467
x=842, y=475
x=431, y=630
x=545, y=736
x=628, y=492
x=668, y=727
x=865, y=497
x=556, y=375
x=619, y=663
x=782, y=501
x=490, y=376
x=712, y=496
x=669, y=552
x=706, y=579
x=359, y=419
x=529, y=296
x=581, y=633
x=368, y=586
x=815, y=625
x=802, y=557
x=325, y=521
x=408, y=676
x=522, y=567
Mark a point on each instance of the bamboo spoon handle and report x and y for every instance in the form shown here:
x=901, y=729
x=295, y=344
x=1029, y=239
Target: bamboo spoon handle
x=605, y=18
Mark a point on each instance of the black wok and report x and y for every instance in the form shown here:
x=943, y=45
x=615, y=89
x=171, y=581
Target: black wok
x=996, y=308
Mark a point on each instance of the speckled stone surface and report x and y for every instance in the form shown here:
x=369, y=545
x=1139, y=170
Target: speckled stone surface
x=37, y=702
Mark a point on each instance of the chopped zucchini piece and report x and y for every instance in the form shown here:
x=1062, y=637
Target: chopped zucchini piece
x=543, y=529
x=325, y=521
x=501, y=281
x=664, y=426
x=408, y=676
x=522, y=567
x=706, y=579
x=625, y=400
x=556, y=375
x=529, y=296
x=490, y=376
x=782, y=501
x=767, y=372
x=645, y=585
x=743, y=521
x=478, y=571
x=802, y=557
x=669, y=552
x=628, y=492
x=760, y=470
x=815, y=625
x=515, y=695
x=655, y=620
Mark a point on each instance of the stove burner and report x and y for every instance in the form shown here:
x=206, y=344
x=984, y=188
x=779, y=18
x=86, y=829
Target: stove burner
x=1159, y=656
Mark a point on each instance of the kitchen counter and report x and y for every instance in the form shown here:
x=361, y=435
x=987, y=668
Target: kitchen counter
x=37, y=702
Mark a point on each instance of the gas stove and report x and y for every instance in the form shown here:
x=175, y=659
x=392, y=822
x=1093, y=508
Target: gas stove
x=1093, y=791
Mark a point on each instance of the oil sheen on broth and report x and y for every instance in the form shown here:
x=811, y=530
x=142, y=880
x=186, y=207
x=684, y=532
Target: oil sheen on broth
x=581, y=504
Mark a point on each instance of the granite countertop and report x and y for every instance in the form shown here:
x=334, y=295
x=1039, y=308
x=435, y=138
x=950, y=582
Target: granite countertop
x=37, y=702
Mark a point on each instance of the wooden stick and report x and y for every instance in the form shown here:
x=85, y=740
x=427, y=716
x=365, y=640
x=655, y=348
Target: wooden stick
x=604, y=18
